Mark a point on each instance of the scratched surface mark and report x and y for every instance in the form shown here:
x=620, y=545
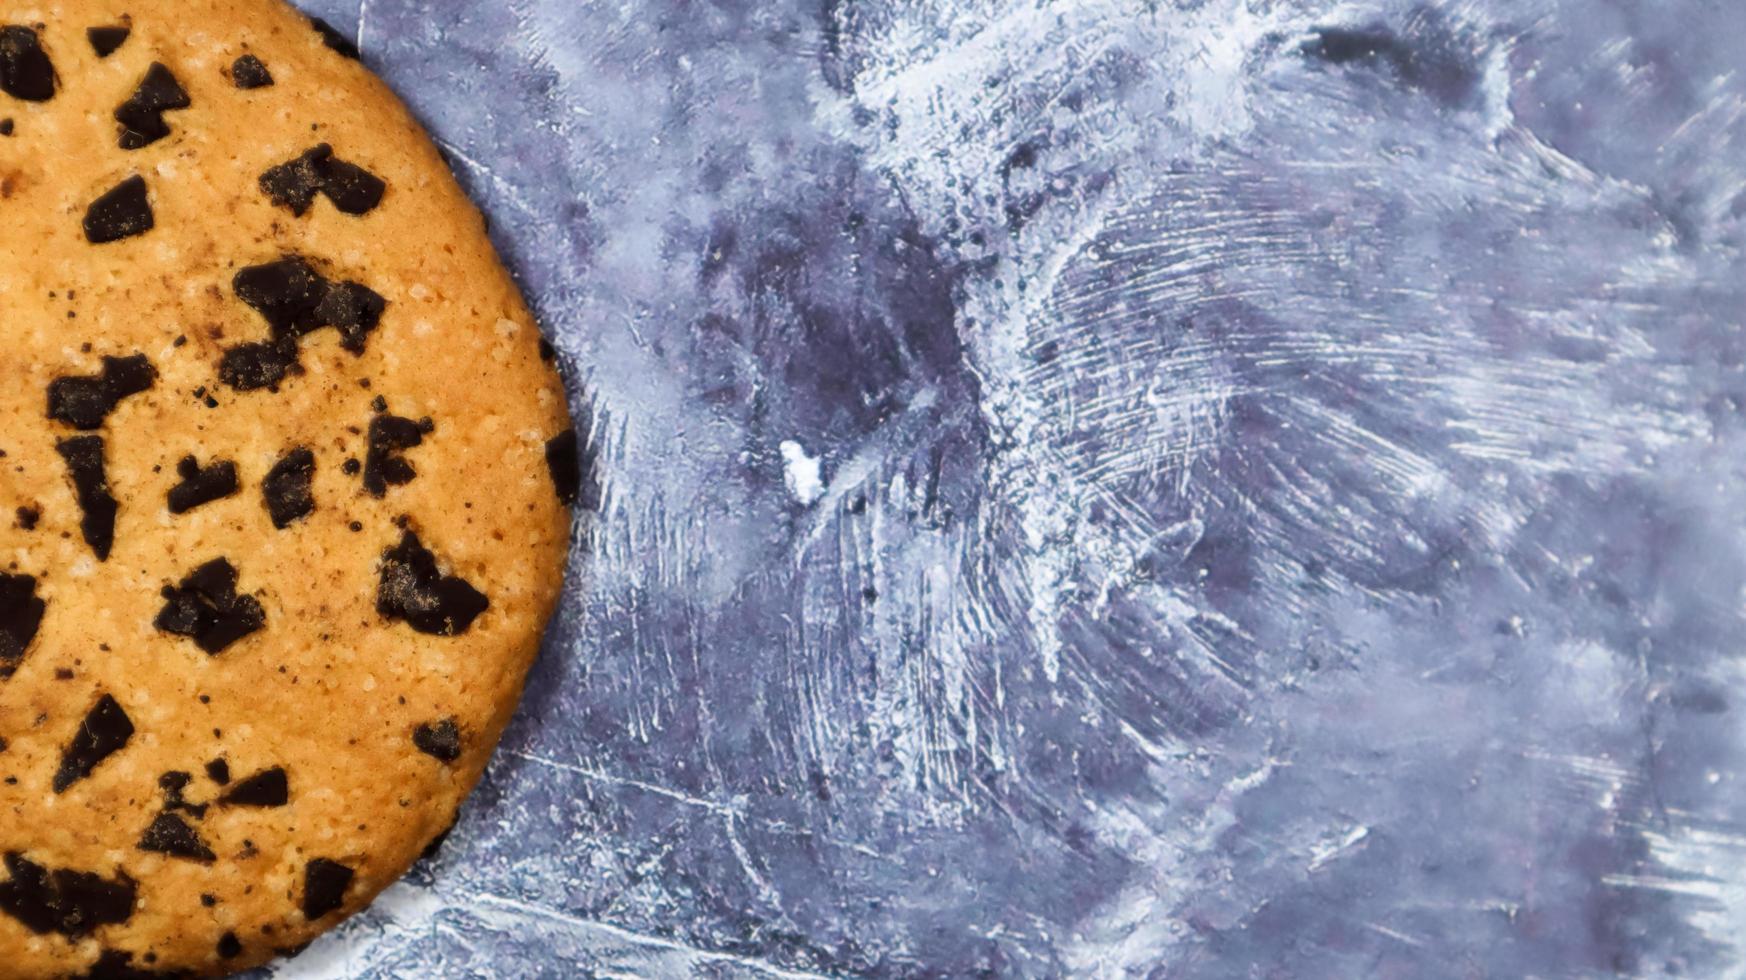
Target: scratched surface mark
x=1197, y=489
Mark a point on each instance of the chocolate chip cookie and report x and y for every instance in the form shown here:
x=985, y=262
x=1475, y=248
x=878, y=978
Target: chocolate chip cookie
x=286, y=474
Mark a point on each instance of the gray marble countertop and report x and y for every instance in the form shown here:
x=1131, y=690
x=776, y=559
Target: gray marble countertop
x=1167, y=488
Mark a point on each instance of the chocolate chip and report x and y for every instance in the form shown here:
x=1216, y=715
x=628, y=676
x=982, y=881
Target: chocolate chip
x=170, y=834
x=105, y=730
x=25, y=71
x=84, y=459
x=121, y=212
x=324, y=887
x=295, y=299
x=27, y=518
x=288, y=488
x=564, y=460
x=441, y=740
x=202, y=485
x=84, y=402
x=390, y=435
x=351, y=188
x=412, y=589
x=284, y=292
x=206, y=608
x=294, y=184
x=114, y=964
x=20, y=616
x=248, y=72
x=174, y=784
x=334, y=39
x=208, y=899
x=142, y=115
x=354, y=310
x=267, y=788
x=229, y=947
x=104, y=40
x=249, y=367
x=6, y=126
x=218, y=771
x=72, y=903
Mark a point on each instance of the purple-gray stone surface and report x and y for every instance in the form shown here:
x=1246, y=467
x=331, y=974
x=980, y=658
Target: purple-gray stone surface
x=1197, y=489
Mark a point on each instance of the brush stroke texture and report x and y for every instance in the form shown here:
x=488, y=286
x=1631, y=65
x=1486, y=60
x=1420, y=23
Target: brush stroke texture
x=1278, y=503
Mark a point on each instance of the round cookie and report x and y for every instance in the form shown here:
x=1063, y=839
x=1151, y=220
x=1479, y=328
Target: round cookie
x=284, y=489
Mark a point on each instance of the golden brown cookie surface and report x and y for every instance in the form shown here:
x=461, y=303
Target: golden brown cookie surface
x=279, y=521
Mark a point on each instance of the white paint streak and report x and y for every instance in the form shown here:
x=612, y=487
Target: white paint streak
x=800, y=472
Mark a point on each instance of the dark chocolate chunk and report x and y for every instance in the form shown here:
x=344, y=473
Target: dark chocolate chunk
x=248, y=72
x=564, y=459
x=294, y=184
x=324, y=887
x=334, y=39
x=284, y=292
x=160, y=91
x=248, y=367
x=174, y=784
x=206, y=608
x=441, y=740
x=295, y=299
x=25, y=71
x=351, y=188
x=72, y=903
x=105, y=730
x=383, y=465
x=288, y=488
x=142, y=115
x=121, y=212
x=84, y=458
x=6, y=126
x=20, y=617
x=170, y=834
x=229, y=947
x=27, y=518
x=84, y=402
x=105, y=40
x=412, y=589
x=218, y=771
x=202, y=486
x=354, y=310
x=266, y=788
x=115, y=964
